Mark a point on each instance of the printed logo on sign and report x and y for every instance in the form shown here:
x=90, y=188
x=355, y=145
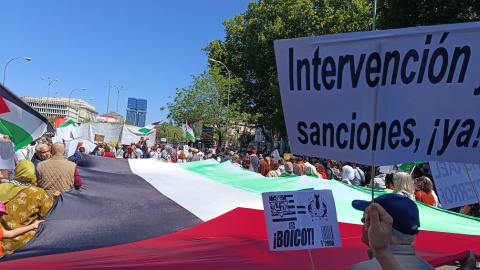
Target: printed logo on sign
x=280, y=206
x=317, y=208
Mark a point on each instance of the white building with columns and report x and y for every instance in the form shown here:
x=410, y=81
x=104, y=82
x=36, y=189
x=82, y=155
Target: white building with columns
x=73, y=108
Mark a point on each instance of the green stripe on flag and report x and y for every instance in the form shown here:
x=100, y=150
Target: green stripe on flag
x=18, y=135
x=431, y=218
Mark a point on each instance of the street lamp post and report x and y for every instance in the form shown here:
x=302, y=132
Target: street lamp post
x=228, y=98
x=68, y=109
x=118, y=97
x=49, y=82
x=5, y=69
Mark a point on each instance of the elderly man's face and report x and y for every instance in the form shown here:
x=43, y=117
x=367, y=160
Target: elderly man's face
x=44, y=153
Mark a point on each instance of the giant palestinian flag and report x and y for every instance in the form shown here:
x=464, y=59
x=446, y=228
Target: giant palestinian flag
x=144, y=214
x=18, y=120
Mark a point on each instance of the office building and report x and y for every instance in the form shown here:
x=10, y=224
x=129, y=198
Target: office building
x=76, y=109
x=136, y=111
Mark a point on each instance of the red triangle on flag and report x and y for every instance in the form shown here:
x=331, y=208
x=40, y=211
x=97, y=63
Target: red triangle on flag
x=71, y=135
x=3, y=106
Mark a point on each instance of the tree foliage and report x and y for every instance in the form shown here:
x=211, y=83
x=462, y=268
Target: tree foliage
x=205, y=101
x=409, y=13
x=249, y=53
x=168, y=131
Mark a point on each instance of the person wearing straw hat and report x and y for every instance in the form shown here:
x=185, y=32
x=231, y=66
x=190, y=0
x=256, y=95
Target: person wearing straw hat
x=397, y=238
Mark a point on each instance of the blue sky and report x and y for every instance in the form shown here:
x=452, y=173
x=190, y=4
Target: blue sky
x=150, y=47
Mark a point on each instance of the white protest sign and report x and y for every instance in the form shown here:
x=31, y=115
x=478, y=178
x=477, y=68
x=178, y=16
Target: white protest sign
x=301, y=220
x=88, y=145
x=384, y=97
x=57, y=139
x=7, y=161
x=71, y=147
x=453, y=184
x=276, y=155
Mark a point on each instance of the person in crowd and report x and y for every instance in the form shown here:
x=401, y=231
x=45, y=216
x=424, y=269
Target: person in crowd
x=402, y=182
x=57, y=173
x=247, y=164
x=77, y=156
x=97, y=151
x=389, y=185
x=142, y=142
x=321, y=170
x=263, y=168
x=281, y=165
x=182, y=155
x=194, y=154
x=220, y=155
x=164, y=154
x=31, y=149
x=120, y=152
x=10, y=234
x=42, y=152
x=254, y=160
x=130, y=152
x=312, y=171
x=146, y=152
x=139, y=151
x=423, y=191
x=201, y=155
x=25, y=204
x=405, y=220
x=471, y=210
x=332, y=171
x=359, y=175
x=107, y=152
x=274, y=171
x=153, y=153
x=235, y=158
x=348, y=175
x=301, y=164
x=296, y=169
x=288, y=169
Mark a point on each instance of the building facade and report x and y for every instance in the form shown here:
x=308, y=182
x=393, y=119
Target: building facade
x=73, y=108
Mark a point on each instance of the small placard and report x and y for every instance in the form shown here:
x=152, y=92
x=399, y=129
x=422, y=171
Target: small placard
x=99, y=138
x=7, y=160
x=304, y=219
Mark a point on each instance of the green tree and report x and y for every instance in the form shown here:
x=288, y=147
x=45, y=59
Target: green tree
x=86, y=120
x=409, y=13
x=249, y=53
x=204, y=102
x=168, y=131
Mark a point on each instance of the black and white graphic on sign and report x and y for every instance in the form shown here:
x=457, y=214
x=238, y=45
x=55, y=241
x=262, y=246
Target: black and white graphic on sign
x=282, y=206
x=328, y=236
x=318, y=208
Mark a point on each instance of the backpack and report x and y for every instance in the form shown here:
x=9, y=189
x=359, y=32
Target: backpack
x=182, y=155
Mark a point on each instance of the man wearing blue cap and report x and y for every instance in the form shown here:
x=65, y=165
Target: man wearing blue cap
x=402, y=215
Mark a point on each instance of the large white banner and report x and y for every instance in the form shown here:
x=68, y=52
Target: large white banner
x=303, y=219
x=454, y=186
x=384, y=97
x=125, y=134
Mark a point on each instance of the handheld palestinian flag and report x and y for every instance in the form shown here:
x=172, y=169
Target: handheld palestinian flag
x=146, y=129
x=189, y=132
x=59, y=121
x=20, y=121
x=70, y=122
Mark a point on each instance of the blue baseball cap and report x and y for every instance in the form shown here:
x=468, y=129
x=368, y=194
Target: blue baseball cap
x=404, y=211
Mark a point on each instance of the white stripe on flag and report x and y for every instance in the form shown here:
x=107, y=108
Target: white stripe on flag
x=198, y=194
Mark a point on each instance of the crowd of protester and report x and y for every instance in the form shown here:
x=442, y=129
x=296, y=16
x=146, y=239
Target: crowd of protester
x=42, y=173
